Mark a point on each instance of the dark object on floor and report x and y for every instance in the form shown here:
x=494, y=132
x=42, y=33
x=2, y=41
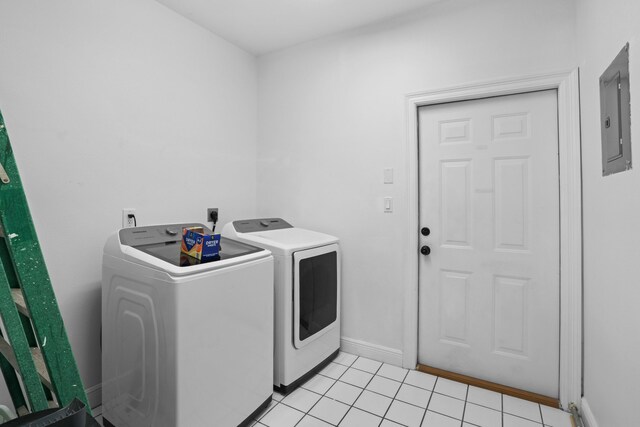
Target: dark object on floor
x=72, y=415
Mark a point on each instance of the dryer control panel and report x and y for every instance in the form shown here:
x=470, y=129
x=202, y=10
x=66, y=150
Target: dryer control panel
x=260, y=224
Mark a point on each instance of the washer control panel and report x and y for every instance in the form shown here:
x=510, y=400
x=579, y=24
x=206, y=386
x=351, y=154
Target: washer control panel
x=260, y=224
x=155, y=234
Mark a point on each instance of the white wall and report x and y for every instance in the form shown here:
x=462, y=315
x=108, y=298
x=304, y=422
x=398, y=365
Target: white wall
x=120, y=103
x=331, y=117
x=611, y=223
x=103, y=99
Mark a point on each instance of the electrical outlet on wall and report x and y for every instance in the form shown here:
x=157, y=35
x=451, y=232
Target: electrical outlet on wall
x=129, y=218
x=212, y=217
x=212, y=213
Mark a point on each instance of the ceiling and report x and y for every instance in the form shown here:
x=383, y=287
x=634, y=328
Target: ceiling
x=262, y=26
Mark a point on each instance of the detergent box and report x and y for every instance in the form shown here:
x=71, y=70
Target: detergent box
x=197, y=244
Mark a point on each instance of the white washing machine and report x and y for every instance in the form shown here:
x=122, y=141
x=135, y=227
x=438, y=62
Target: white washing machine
x=307, y=295
x=184, y=343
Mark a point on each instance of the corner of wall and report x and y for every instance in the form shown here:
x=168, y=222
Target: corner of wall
x=94, y=395
x=380, y=353
x=587, y=416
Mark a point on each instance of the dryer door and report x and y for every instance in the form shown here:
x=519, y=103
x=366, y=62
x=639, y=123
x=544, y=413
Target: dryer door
x=316, y=293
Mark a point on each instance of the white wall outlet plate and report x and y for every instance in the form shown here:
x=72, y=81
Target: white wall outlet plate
x=129, y=218
x=209, y=212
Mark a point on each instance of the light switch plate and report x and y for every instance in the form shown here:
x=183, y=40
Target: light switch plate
x=388, y=204
x=388, y=175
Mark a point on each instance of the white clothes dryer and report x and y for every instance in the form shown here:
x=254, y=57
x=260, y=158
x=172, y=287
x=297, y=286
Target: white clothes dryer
x=307, y=295
x=184, y=343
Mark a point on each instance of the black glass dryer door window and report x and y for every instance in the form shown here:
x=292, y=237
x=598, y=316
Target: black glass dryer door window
x=318, y=293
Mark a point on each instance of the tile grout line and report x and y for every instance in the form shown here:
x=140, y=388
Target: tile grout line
x=400, y=400
x=363, y=410
x=502, y=408
x=448, y=416
x=466, y=398
x=421, y=388
x=323, y=395
x=476, y=404
x=284, y=396
x=267, y=410
x=336, y=380
x=312, y=406
x=346, y=383
x=367, y=372
x=393, y=399
x=353, y=405
x=396, y=395
x=362, y=391
x=429, y=401
x=522, y=418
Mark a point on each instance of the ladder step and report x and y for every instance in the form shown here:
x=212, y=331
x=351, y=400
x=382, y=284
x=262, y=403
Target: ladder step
x=18, y=298
x=41, y=367
x=7, y=351
x=23, y=410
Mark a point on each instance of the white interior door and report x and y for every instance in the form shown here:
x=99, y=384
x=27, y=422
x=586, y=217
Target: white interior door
x=489, y=193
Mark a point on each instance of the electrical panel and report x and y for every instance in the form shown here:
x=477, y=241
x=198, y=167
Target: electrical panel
x=615, y=115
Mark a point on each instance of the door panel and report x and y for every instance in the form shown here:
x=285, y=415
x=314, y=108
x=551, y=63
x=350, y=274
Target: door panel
x=489, y=192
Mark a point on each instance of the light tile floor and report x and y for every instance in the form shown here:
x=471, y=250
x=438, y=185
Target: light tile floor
x=358, y=392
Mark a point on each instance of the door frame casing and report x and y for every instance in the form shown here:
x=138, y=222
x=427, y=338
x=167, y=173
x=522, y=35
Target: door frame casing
x=567, y=86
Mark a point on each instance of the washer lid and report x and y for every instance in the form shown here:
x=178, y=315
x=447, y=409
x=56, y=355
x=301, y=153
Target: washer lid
x=159, y=246
x=287, y=240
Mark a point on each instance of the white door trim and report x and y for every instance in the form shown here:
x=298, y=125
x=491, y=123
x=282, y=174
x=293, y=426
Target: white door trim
x=567, y=86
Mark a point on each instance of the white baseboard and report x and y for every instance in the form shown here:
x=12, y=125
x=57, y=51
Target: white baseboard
x=94, y=395
x=587, y=416
x=380, y=353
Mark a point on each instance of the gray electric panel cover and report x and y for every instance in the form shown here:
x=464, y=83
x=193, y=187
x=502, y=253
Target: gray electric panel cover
x=615, y=115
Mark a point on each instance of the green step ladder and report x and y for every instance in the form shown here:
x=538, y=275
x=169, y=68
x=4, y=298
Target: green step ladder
x=35, y=355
